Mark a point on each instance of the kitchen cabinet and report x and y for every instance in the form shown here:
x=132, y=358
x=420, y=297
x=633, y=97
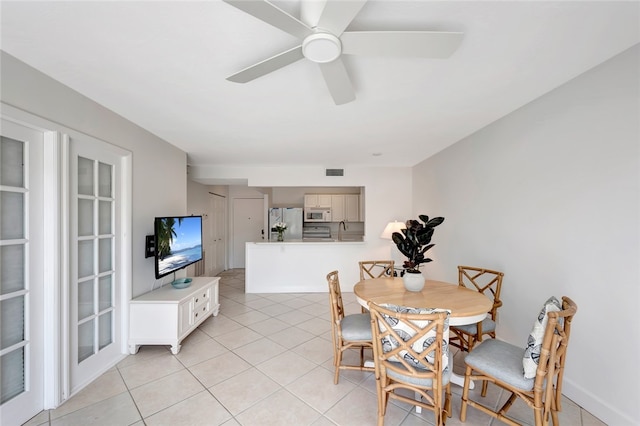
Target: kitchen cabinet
x=317, y=200
x=345, y=207
x=352, y=207
x=337, y=208
x=167, y=315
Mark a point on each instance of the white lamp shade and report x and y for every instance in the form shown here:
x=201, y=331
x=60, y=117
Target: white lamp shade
x=392, y=227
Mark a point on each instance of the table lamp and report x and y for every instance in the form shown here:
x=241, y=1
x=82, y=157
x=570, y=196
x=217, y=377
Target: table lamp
x=392, y=227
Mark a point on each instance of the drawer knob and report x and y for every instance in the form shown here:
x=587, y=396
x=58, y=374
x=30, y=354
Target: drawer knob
x=197, y=300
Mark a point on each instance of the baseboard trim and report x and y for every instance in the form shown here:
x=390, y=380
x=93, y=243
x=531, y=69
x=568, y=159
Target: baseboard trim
x=596, y=406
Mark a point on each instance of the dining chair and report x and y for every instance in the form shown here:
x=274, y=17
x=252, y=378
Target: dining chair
x=533, y=374
x=375, y=269
x=489, y=283
x=351, y=331
x=369, y=269
x=411, y=353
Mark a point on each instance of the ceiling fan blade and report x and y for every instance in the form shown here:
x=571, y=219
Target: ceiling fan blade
x=337, y=15
x=268, y=65
x=272, y=15
x=422, y=44
x=338, y=82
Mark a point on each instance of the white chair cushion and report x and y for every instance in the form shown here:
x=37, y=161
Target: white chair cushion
x=488, y=325
x=500, y=360
x=407, y=333
x=534, y=342
x=356, y=327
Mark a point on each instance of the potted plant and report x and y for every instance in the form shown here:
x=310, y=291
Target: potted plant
x=414, y=242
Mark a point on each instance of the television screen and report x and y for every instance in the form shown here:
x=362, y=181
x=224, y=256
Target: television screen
x=178, y=243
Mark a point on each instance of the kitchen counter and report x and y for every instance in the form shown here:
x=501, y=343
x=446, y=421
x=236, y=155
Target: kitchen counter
x=315, y=240
x=298, y=266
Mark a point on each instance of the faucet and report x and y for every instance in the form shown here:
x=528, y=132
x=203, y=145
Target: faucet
x=341, y=226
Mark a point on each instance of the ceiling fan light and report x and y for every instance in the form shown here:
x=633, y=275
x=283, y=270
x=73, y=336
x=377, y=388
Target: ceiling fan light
x=321, y=48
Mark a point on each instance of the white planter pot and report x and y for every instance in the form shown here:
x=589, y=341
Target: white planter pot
x=413, y=281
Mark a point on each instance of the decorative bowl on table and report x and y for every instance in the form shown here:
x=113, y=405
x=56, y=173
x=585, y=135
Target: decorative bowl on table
x=181, y=283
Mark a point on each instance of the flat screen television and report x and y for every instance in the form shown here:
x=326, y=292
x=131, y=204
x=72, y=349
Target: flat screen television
x=178, y=243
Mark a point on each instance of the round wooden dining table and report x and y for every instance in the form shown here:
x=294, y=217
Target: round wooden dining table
x=466, y=306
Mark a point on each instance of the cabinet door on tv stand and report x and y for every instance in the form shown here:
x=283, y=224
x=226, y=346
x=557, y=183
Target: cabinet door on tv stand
x=185, y=315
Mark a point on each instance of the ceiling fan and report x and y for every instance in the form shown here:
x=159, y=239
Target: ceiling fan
x=321, y=29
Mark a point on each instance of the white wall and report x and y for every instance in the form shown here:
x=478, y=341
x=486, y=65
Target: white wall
x=197, y=199
x=159, y=169
x=198, y=204
x=550, y=195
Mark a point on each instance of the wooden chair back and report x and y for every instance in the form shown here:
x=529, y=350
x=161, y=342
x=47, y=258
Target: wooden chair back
x=376, y=269
x=485, y=281
x=335, y=298
x=410, y=346
x=545, y=396
x=552, y=359
x=340, y=339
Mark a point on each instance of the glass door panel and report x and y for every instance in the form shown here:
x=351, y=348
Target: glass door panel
x=85, y=176
x=12, y=259
x=12, y=299
x=93, y=229
x=12, y=210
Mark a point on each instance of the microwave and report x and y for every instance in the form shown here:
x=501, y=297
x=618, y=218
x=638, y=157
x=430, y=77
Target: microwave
x=317, y=215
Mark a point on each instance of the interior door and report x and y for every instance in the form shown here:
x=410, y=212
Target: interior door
x=218, y=208
x=95, y=270
x=21, y=273
x=248, y=224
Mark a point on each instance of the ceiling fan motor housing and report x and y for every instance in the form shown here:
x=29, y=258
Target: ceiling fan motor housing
x=321, y=47
x=321, y=28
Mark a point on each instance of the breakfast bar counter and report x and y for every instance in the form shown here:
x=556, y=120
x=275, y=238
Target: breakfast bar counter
x=315, y=241
x=299, y=266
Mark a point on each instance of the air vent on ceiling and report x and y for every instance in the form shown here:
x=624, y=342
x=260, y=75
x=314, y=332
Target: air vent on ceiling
x=335, y=172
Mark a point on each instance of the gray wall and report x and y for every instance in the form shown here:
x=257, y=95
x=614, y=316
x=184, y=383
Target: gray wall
x=159, y=169
x=550, y=195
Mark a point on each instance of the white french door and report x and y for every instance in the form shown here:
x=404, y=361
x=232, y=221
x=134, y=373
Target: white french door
x=95, y=271
x=21, y=273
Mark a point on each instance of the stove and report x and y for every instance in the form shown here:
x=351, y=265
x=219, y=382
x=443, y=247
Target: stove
x=316, y=233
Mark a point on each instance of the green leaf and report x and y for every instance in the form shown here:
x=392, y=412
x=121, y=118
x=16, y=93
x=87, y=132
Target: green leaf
x=435, y=222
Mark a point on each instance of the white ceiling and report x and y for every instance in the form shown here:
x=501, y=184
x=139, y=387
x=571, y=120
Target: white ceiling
x=163, y=66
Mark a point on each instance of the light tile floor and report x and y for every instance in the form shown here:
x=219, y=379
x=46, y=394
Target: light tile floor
x=264, y=360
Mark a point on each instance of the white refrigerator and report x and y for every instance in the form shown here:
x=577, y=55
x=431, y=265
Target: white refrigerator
x=292, y=216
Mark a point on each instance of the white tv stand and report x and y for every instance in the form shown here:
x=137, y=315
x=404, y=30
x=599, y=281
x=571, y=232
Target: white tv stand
x=167, y=315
